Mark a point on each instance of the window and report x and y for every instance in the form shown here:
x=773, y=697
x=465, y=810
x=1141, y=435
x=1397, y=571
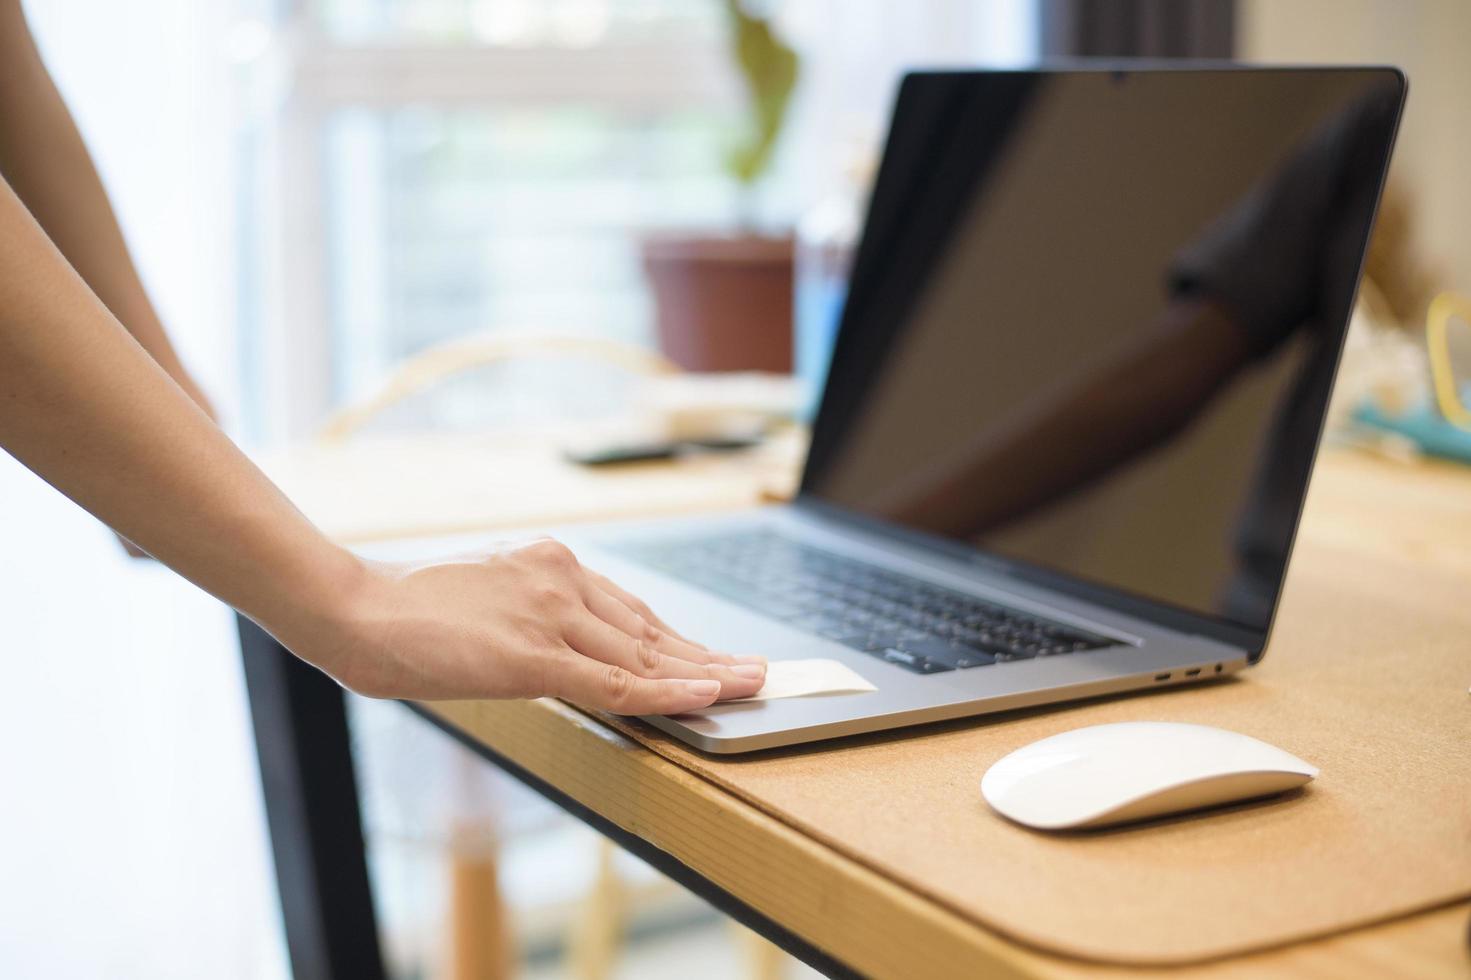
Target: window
x=415, y=170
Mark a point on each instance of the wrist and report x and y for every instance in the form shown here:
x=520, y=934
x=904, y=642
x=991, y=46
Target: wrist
x=321, y=617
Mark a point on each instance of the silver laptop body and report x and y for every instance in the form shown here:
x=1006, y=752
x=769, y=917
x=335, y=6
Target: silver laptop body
x=1081, y=375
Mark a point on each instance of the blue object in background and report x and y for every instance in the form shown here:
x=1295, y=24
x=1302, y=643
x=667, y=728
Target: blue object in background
x=818, y=309
x=1423, y=425
x=826, y=237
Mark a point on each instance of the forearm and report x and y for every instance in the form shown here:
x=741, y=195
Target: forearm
x=44, y=159
x=83, y=406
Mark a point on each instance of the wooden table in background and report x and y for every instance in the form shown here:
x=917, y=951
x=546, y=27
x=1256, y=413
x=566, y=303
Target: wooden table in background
x=760, y=870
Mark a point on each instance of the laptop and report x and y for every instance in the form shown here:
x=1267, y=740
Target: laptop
x=1072, y=408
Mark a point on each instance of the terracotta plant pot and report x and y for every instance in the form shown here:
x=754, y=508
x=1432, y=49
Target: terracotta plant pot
x=723, y=303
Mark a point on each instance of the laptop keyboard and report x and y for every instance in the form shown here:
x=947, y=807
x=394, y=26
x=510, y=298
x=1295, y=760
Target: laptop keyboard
x=906, y=621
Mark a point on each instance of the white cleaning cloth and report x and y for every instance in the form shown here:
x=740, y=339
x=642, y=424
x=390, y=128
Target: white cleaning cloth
x=801, y=678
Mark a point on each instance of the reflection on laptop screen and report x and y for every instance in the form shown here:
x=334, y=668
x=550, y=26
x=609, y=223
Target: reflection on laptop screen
x=1094, y=320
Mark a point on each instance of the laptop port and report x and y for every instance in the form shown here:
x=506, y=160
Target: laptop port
x=1193, y=672
x=1161, y=677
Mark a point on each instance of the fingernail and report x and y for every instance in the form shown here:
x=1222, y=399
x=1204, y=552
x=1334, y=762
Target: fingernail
x=751, y=671
x=750, y=660
x=703, y=689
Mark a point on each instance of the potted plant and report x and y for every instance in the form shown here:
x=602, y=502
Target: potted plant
x=723, y=302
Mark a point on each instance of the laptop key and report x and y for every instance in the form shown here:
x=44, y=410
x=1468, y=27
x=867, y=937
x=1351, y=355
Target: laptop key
x=914, y=662
x=848, y=637
x=862, y=606
x=875, y=642
x=948, y=653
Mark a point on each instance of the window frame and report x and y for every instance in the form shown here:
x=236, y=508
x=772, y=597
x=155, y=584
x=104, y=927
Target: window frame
x=303, y=76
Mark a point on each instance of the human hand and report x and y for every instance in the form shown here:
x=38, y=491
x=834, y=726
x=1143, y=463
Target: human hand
x=525, y=622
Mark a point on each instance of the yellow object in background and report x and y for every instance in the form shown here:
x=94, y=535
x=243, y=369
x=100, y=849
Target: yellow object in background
x=1443, y=309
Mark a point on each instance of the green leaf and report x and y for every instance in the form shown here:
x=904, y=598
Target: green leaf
x=769, y=69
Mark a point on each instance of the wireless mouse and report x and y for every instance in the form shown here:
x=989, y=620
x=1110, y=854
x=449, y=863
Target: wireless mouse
x=1110, y=774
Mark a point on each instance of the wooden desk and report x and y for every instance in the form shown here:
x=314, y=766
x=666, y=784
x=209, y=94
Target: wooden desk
x=823, y=906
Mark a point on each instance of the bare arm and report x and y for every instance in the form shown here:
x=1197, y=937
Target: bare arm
x=94, y=399
x=85, y=407
x=44, y=159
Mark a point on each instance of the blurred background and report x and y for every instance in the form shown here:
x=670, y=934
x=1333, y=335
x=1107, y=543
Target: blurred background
x=316, y=190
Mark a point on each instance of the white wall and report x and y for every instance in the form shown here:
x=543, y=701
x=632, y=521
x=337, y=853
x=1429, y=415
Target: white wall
x=131, y=835
x=1431, y=41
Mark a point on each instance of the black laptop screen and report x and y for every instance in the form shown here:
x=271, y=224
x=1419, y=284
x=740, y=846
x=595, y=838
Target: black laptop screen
x=1093, y=322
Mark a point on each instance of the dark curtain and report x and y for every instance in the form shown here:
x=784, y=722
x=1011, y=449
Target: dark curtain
x=1138, y=28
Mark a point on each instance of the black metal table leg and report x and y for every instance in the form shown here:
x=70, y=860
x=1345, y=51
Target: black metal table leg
x=310, y=787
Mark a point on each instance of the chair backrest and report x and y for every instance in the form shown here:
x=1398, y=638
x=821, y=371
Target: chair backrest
x=431, y=368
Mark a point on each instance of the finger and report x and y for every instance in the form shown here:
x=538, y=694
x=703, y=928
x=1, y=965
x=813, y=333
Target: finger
x=642, y=609
x=610, y=609
x=636, y=604
x=681, y=659
x=640, y=654
x=612, y=688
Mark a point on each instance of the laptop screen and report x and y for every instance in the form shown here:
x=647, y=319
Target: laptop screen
x=1094, y=319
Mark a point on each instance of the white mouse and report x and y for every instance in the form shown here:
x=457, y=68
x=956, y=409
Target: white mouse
x=1132, y=770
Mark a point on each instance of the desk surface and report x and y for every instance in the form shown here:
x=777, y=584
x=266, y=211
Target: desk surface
x=1363, y=510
